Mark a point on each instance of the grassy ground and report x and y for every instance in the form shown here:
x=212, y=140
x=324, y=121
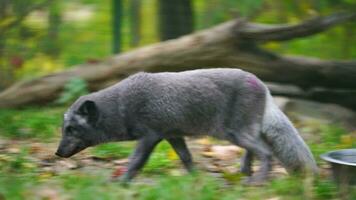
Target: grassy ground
x=28, y=169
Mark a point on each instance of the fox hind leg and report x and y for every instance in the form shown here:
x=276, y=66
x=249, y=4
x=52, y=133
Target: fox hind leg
x=251, y=141
x=246, y=163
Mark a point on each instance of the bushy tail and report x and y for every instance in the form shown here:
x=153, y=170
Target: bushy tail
x=285, y=142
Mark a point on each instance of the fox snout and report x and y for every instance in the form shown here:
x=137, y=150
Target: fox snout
x=61, y=154
x=67, y=148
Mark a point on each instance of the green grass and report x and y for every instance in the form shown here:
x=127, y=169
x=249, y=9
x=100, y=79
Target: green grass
x=31, y=122
x=20, y=177
x=162, y=158
x=197, y=186
x=113, y=150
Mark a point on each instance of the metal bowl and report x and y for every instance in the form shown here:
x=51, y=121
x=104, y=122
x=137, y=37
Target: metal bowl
x=343, y=165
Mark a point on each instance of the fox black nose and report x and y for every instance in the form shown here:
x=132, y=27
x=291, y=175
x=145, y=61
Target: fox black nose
x=58, y=154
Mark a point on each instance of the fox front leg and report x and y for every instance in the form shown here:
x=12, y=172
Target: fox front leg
x=181, y=149
x=246, y=163
x=140, y=156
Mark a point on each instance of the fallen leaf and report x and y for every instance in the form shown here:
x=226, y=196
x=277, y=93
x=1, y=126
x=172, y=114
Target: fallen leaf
x=119, y=171
x=68, y=164
x=171, y=154
x=222, y=152
x=121, y=161
x=347, y=140
x=35, y=148
x=231, y=170
x=5, y=158
x=208, y=154
x=213, y=168
x=175, y=172
x=13, y=150
x=49, y=194
x=280, y=170
x=274, y=198
x=203, y=141
x=45, y=175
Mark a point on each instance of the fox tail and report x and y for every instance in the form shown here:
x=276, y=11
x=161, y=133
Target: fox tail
x=285, y=142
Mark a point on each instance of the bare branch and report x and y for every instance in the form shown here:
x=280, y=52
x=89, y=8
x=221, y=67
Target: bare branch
x=264, y=32
x=214, y=47
x=343, y=97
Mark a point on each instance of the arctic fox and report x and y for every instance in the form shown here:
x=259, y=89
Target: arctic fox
x=228, y=104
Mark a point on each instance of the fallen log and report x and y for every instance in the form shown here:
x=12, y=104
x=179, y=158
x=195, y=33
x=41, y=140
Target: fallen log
x=343, y=97
x=231, y=44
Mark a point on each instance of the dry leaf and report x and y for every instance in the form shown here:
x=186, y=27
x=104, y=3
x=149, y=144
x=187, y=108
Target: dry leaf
x=49, y=194
x=35, y=148
x=121, y=161
x=223, y=152
x=13, y=150
x=119, y=171
x=203, y=141
x=171, y=154
x=68, y=164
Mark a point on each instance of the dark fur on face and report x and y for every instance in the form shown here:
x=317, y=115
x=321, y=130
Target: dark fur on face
x=79, y=129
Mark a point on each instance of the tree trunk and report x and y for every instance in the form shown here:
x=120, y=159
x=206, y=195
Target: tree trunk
x=231, y=44
x=175, y=17
x=135, y=22
x=116, y=25
x=54, y=21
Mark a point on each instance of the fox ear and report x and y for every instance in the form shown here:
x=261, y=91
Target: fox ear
x=89, y=110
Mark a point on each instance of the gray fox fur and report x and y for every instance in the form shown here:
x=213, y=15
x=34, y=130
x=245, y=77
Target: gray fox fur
x=228, y=104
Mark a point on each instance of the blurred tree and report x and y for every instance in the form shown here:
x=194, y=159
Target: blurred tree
x=52, y=43
x=349, y=29
x=236, y=43
x=116, y=24
x=12, y=15
x=175, y=18
x=135, y=22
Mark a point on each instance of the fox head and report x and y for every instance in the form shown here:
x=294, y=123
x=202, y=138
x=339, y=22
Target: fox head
x=79, y=129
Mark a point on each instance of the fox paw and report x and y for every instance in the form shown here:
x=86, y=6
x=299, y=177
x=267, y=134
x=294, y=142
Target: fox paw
x=246, y=170
x=255, y=181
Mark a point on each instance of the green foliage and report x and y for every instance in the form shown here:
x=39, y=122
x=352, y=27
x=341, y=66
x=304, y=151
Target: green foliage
x=16, y=162
x=17, y=174
x=30, y=122
x=325, y=189
x=88, y=187
x=184, y=187
x=332, y=138
x=160, y=159
x=75, y=88
x=288, y=186
x=83, y=30
x=113, y=150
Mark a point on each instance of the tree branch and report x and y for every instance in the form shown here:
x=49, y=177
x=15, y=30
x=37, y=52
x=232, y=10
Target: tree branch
x=343, y=97
x=263, y=32
x=214, y=47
